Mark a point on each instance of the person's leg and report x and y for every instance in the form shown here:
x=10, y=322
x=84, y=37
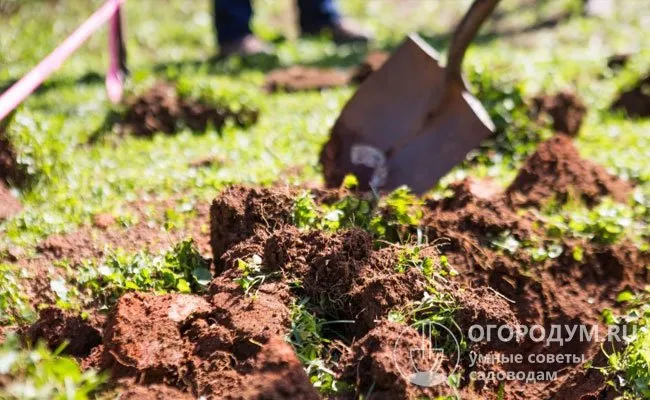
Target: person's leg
x=232, y=22
x=232, y=19
x=317, y=14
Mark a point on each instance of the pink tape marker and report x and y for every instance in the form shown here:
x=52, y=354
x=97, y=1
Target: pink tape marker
x=15, y=95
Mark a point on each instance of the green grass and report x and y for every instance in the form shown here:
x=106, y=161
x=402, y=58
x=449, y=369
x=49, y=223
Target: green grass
x=39, y=373
x=71, y=180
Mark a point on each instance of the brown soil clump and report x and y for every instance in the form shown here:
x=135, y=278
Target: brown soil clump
x=239, y=212
x=9, y=205
x=55, y=327
x=372, y=63
x=565, y=109
x=153, y=392
x=636, y=101
x=142, y=335
x=297, y=78
x=556, y=171
x=382, y=361
x=11, y=172
x=161, y=109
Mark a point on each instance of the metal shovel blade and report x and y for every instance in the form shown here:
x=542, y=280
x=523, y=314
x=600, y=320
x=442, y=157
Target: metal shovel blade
x=411, y=121
x=391, y=104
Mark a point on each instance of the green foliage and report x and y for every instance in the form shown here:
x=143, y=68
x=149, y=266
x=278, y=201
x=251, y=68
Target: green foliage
x=395, y=214
x=41, y=374
x=411, y=257
x=306, y=337
x=14, y=305
x=180, y=269
x=251, y=273
x=516, y=135
x=607, y=223
x=629, y=368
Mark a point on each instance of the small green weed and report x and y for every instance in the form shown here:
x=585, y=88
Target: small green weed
x=306, y=337
x=629, y=368
x=251, y=273
x=41, y=374
x=14, y=305
x=180, y=269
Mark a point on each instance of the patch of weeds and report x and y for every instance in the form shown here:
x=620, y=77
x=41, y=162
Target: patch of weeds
x=42, y=374
x=535, y=248
x=241, y=99
x=14, y=305
x=629, y=368
x=180, y=269
x=251, y=273
x=392, y=218
x=411, y=257
x=606, y=223
x=306, y=337
x=516, y=136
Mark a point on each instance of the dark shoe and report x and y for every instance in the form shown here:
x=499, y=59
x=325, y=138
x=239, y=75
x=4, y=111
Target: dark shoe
x=249, y=45
x=344, y=31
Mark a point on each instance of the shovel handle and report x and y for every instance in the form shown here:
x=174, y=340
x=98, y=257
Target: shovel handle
x=464, y=34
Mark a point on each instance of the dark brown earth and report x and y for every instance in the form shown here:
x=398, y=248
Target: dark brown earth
x=161, y=109
x=230, y=344
x=9, y=205
x=636, y=101
x=11, y=172
x=565, y=109
x=557, y=172
x=55, y=326
x=297, y=78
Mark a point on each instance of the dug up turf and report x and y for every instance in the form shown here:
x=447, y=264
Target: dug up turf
x=231, y=342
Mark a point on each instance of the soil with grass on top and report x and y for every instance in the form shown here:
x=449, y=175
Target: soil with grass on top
x=229, y=342
x=565, y=109
x=161, y=109
x=556, y=171
x=636, y=101
x=298, y=78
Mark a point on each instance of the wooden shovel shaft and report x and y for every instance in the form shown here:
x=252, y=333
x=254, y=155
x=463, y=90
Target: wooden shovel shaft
x=464, y=34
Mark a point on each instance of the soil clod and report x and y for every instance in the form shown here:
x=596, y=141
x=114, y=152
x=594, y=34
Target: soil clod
x=636, y=101
x=556, y=171
x=565, y=109
x=161, y=109
x=297, y=78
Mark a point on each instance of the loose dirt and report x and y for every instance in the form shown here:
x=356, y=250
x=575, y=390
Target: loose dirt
x=161, y=109
x=11, y=172
x=229, y=342
x=636, y=101
x=9, y=205
x=565, y=109
x=556, y=171
x=297, y=78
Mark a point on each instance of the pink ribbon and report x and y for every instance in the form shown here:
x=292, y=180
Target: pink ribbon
x=17, y=93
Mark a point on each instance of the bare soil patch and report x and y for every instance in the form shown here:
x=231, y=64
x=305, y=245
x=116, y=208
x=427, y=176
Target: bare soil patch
x=636, y=101
x=161, y=109
x=565, y=109
x=297, y=78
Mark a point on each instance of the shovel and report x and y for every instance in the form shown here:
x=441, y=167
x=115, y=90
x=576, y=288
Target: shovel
x=412, y=120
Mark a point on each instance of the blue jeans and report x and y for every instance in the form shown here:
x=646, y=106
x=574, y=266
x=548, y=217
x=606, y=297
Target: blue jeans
x=232, y=17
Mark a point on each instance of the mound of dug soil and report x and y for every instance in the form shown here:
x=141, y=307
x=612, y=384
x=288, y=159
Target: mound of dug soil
x=11, y=172
x=565, y=109
x=55, y=327
x=9, y=205
x=636, y=101
x=556, y=170
x=297, y=78
x=161, y=109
